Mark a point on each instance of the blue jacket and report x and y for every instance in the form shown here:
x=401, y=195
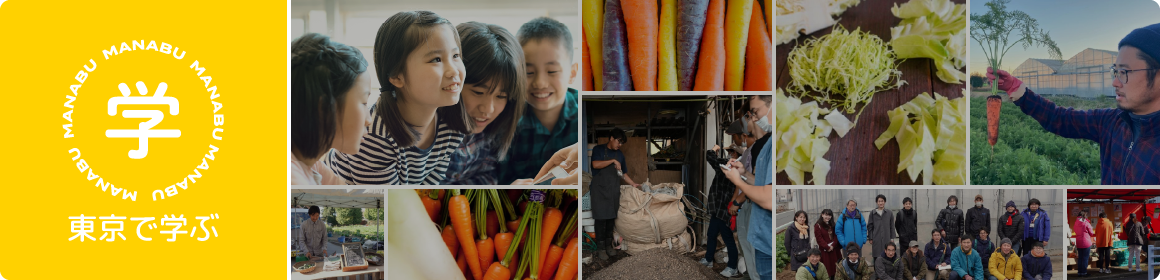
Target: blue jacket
x=1042, y=229
x=1127, y=157
x=1035, y=266
x=967, y=264
x=851, y=229
x=934, y=256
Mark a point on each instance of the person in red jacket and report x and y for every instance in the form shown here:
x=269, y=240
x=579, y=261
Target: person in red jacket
x=828, y=241
x=1083, y=242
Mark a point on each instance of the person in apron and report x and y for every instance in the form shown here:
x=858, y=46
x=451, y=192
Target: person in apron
x=608, y=167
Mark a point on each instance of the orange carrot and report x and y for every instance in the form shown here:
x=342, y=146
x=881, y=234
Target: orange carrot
x=486, y=251
x=497, y=272
x=569, y=264
x=449, y=238
x=711, y=64
x=492, y=224
x=431, y=203
x=553, y=259
x=461, y=220
x=461, y=261
x=994, y=103
x=552, y=219
x=502, y=241
x=640, y=19
x=737, y=19
x=769, y=19
x=758, y=59
x=586, y=59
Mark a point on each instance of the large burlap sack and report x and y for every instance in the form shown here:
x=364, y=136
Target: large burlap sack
x=682, y=243
x=648, y=217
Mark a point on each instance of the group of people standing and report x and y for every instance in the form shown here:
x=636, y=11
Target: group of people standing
x=1134, y=231
x=960, y=246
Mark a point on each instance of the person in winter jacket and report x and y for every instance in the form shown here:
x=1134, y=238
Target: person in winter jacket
x=985, y=247
x=938, y=254
x=797, y=240
x=1038, y=226
x=1083, y=242
x=1005, y=264
x=828, y=241
x=851, y=226
x=1134, y=234
x=1103, y=243
x=906, y=222
x=880, y=227
x=814, y=269
x=1036, y=264
x=1011, y=226
x=722, y=195
x=853, y=267
x=965, y=262
x=914, y=264
x=978, y=217
x=950, y=221
x=889, y=265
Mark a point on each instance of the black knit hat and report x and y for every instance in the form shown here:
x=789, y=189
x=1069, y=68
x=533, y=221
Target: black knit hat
x=1147, y=39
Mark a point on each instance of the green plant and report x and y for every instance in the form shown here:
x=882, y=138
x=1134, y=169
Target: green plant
x=1027, y=154
x=374, y=214
x=782, y=260
x=993, y=31
x=330, y=216
x=349, y=216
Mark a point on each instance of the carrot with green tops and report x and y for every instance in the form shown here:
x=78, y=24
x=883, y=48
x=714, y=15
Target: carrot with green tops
x=593, y=12
x=559, y=242
x=552, y=219
x=570, y=264
x=711, y=63
x=460, y=211
x=585, y=59
x=737, y=19
x=449, y=238
x=758, y=58
x=643, y=26
x=503, y=239
x=667, y=70
x=502, y=270
x=485, y=244
x=532, y=248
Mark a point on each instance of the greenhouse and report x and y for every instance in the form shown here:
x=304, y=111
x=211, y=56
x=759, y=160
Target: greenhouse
x=1086, y=74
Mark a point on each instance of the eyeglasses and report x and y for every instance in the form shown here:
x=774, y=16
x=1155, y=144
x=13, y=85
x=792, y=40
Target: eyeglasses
x=1122, y=74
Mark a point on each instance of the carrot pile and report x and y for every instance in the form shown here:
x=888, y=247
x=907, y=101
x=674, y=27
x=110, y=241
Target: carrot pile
x=667, y=45
x=490, y=238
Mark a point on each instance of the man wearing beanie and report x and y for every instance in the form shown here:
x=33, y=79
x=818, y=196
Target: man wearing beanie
x=1129, y=136
x=1005, y=264
x=1011, y=226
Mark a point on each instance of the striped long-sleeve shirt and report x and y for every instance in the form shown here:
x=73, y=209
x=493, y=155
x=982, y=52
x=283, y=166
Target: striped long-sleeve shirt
x=381, y=161
x=1128, y=155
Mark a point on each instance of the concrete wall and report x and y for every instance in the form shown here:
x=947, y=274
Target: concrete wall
x=928, y=202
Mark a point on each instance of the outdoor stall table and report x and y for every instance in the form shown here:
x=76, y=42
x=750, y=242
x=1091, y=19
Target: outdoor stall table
x=371, y=273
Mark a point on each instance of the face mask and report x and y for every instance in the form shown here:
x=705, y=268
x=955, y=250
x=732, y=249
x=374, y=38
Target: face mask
x=954, y=206
x=764, y=124
x=980, y=204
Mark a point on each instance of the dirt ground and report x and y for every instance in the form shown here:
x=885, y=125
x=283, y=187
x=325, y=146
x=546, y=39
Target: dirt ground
x=590, y=270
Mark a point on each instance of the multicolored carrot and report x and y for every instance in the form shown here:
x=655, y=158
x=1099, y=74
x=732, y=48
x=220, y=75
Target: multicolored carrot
x=758, y=55
x=615, y=41
x=593, y=32
x=737, y=19
x=690, y=28
x=667, y=70
x=643, y=26
x=585, y=59
x=711, y=64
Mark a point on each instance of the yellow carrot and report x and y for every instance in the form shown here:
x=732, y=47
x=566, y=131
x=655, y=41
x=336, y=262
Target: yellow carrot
x=667, y=80
x=593, y=28
x=769, y=19
x=737, y=17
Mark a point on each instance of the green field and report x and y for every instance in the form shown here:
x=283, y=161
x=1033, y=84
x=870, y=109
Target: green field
x=1026, y=154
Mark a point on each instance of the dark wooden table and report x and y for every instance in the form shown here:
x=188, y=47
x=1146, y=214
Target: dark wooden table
x=854, y=158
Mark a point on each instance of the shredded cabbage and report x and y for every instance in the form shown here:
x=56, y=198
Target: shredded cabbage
x=933, y=29
x=795, y=17
x=843, y=69
x=803, y=138
x=932, y=138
